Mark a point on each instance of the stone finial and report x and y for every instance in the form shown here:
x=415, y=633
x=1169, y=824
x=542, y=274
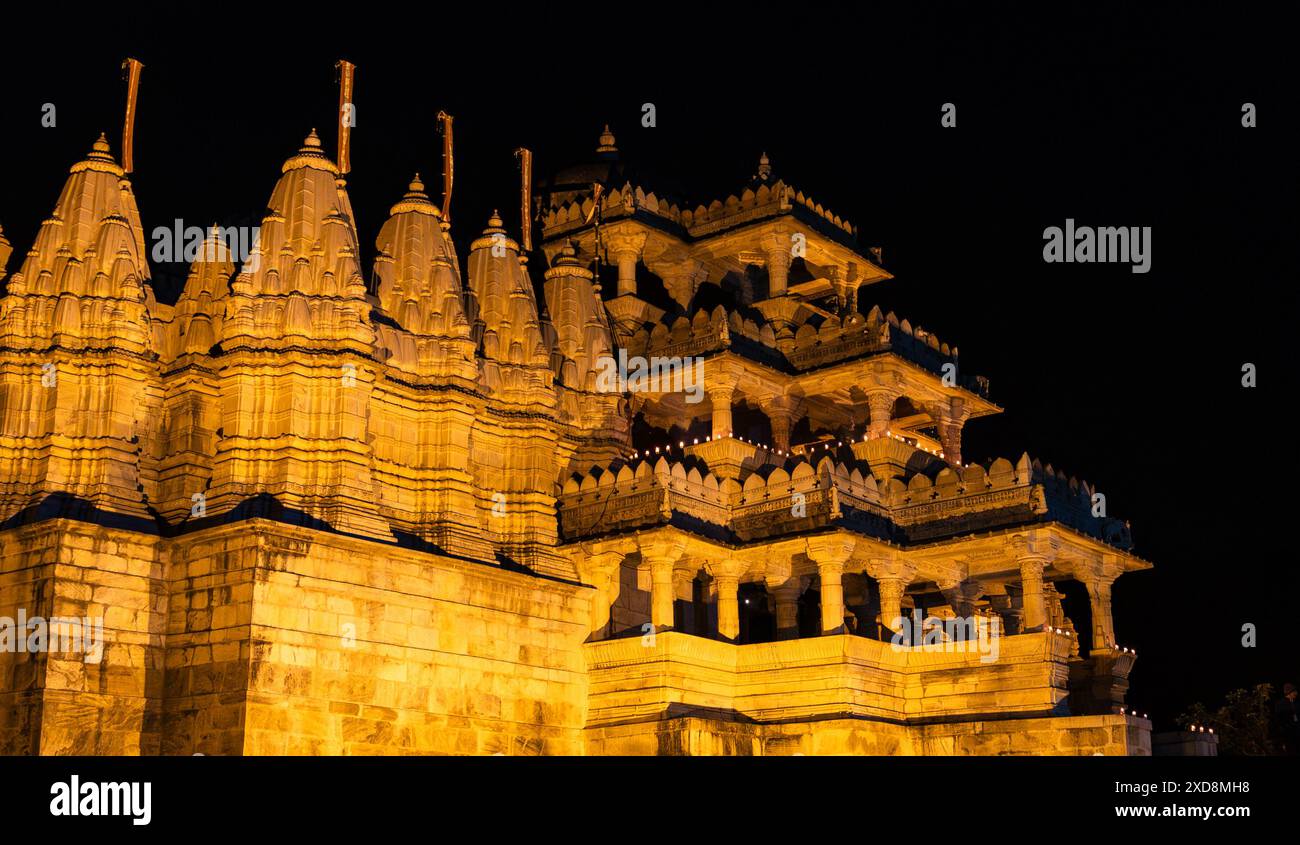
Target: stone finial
x=607, y=142
x=311, y=155
x=415, y=199
x=764, y=167
x=495, y=224
x=568, y=254
x=98, y=159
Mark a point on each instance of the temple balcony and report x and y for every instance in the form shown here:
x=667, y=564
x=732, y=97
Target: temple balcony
x=830, y=341
x=835, y=491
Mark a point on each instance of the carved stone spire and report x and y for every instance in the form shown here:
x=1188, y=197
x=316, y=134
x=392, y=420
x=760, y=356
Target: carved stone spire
x=78, y=380
x=303, y=282
x=419, y=286
x=517, y=362
x=199, y=311
x=294, y=424
x=86, y=275
x=583, y=336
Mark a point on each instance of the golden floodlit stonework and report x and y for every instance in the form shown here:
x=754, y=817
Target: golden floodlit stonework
x=692, y=506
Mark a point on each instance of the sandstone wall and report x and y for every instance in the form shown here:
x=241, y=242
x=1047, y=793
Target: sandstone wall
x=58, y=703
x=259, y=638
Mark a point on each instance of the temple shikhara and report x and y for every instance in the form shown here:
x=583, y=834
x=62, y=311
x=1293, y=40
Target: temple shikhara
x=328, y=508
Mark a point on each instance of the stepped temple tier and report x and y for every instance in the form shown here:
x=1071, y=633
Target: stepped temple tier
x=667, y=483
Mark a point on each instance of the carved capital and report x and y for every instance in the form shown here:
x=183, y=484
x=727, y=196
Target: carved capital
x=890, y=569
x=661, y=550
x=833, y=551
x=778, y=244
x=623, y=243
x=726, y=569
x=598, y=565
x=1034, y=545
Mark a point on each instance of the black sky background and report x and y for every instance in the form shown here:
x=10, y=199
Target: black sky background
x=1106, y=114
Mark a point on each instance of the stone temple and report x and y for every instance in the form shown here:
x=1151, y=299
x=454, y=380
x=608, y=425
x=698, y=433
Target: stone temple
x=320, y=508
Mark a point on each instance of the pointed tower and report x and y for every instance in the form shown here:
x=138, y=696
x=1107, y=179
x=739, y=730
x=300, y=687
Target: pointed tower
x=79, y=391
x=513, y=451
x=421, y=421
x=296, y=364
x=583, y=335
x=419, y=287
x=584, y=349
x=192, y=410
x=516, y=362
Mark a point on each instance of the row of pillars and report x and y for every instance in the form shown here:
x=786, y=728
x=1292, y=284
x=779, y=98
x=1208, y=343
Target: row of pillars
x=892, y=581
x=785, y=589
x=880, y=405
x=625, y=250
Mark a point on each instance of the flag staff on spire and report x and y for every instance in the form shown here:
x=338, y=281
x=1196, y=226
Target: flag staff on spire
x=347, y=114
x=525, y=200
x=448, y=166
x=133, y=67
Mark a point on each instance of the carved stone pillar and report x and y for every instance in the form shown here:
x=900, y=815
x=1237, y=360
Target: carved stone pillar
x=728, y=607
x=625, y=250
x=726, y=579
x=1031, y=581
x=779, y=259
x=721, y=396
x=781, y=415
x=880, y=404
x=891, y=601
x=1103, y=625
x=781, y=425
x=661, y=593
x=831, y=554
x=949, y=417
x=892, y=578
x=832, y=590
x=661, y=557
x=601, y=571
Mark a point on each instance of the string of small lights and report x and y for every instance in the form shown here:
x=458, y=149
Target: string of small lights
x=802, y=449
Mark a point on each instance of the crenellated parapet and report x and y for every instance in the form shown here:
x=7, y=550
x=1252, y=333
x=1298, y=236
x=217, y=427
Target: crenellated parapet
x=819, y=340
x=811, y=492
x=757, y=203
x=752, y=204
x=625, y=201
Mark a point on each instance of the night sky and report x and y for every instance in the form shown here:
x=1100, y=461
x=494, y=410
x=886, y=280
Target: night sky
x=1130, y=381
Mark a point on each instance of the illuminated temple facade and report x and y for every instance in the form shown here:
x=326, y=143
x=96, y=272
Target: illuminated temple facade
x=324, y=508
